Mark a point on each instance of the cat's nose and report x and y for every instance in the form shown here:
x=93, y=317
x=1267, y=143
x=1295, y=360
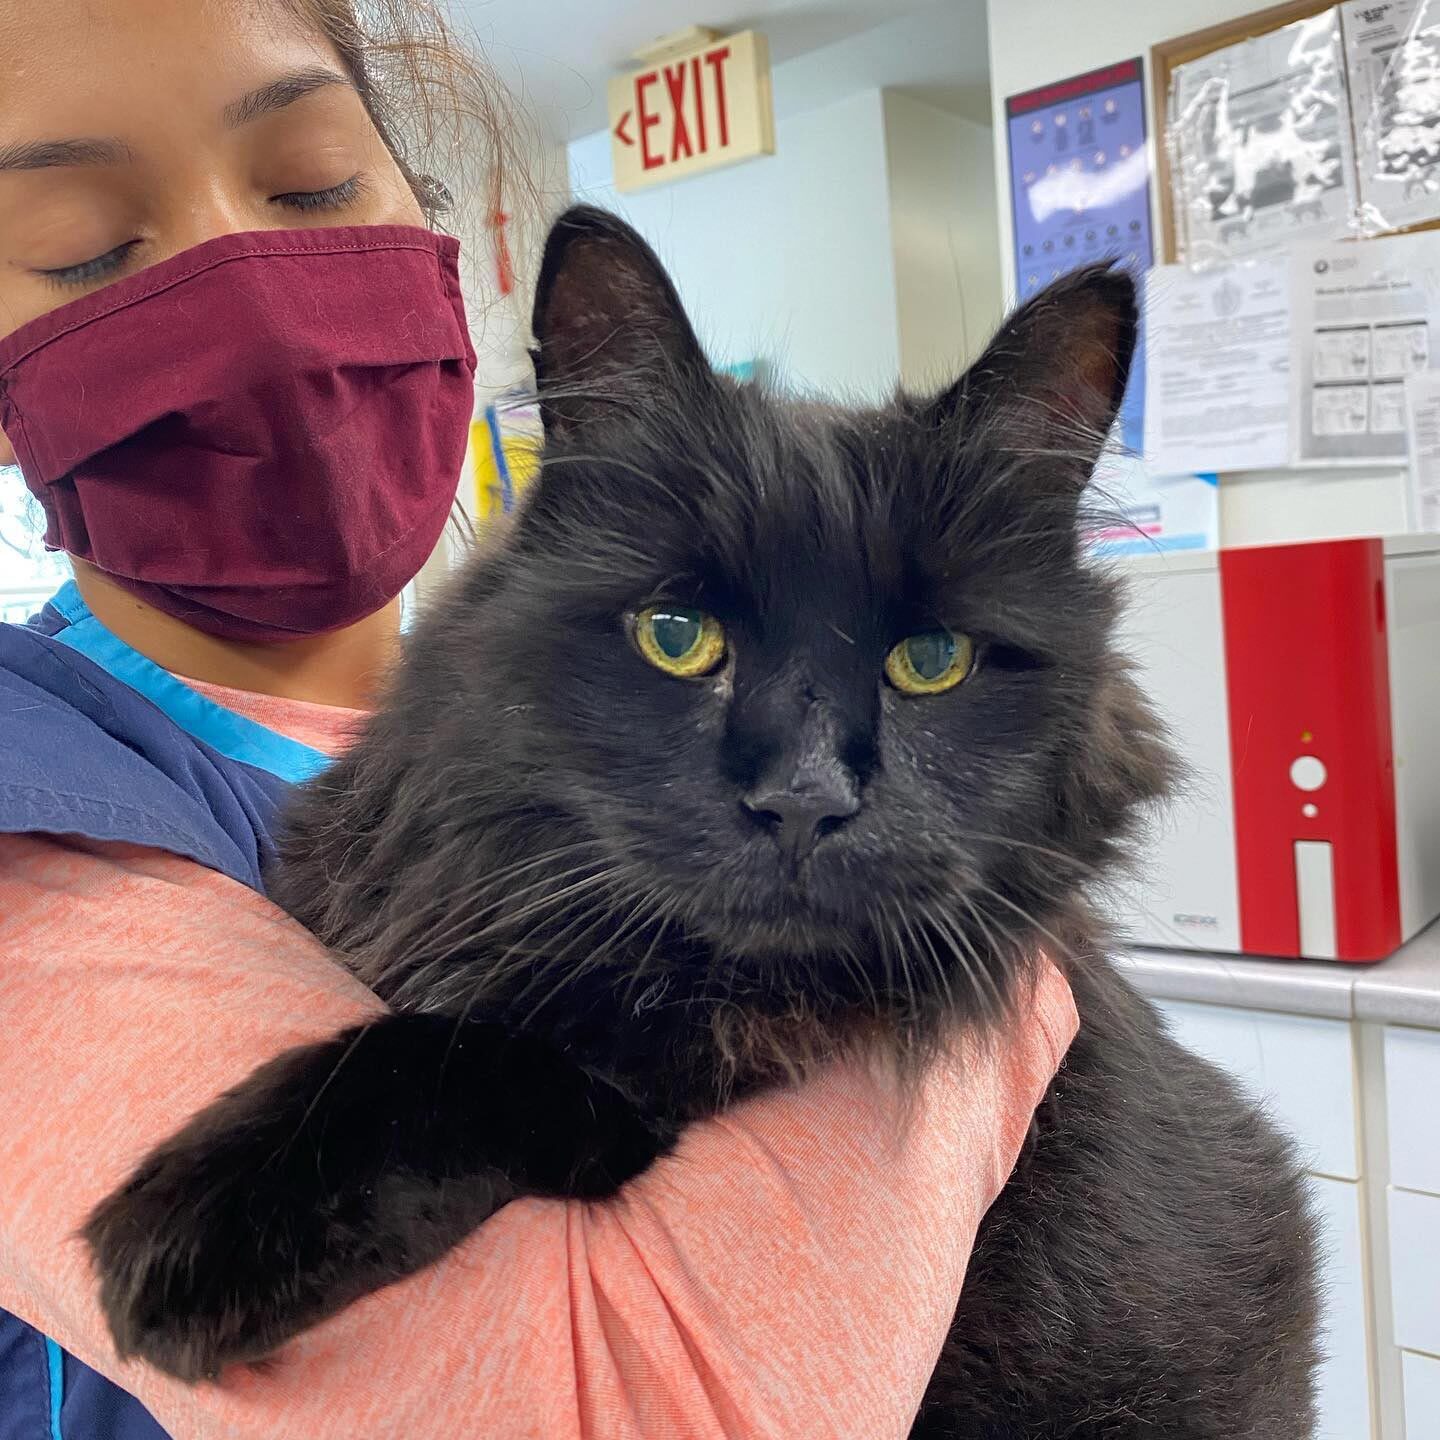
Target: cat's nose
x=800, y=818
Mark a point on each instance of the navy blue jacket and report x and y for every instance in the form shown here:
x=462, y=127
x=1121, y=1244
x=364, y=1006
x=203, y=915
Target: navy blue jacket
x=95, y=740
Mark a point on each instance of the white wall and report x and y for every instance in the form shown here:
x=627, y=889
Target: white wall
x=846, y=258
x=1033, y=42
x=532, y=196
x=785, y=258
x=942, y=219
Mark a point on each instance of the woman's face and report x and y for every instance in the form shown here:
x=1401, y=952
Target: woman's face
x=133, y=129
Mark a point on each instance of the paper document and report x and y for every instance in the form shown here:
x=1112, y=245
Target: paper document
x=1392, y=55
x=1130, y=511
x=1218, y=383
x=1365, y=316
x=1422, y=393
x=1261, y=143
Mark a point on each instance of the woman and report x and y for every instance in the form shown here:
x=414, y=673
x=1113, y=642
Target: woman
x=173, y=371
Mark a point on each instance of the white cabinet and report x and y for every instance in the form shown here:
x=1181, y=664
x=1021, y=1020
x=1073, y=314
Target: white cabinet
x=1412, y=1119
x=1412, y=1104
x=1422, y=1396
x=1361, y=1099
x=1415, y=1270
x=1344, y=1378
x=1302, y=1069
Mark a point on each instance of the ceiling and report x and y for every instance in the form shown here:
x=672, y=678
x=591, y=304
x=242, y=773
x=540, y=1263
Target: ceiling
x=558, y=54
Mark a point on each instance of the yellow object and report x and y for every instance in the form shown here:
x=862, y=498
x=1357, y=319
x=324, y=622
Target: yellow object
x=683, y=643
x=503, y=465
x=930, y=663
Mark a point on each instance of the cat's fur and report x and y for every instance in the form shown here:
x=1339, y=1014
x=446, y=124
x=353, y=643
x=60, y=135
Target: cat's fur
x=541, y=854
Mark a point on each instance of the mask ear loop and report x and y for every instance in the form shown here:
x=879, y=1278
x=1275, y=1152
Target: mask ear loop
x=433, y=194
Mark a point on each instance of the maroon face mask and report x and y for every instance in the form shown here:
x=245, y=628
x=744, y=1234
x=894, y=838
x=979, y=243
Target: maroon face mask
x=261, y=437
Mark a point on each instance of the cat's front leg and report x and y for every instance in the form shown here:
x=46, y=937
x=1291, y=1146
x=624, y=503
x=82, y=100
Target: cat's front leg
x=339, y=1168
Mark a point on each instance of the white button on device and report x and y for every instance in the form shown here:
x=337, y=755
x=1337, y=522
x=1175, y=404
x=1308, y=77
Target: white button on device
x=1308, y=772
x=1315, y=894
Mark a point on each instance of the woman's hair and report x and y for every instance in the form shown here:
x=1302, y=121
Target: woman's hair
x=441, y=111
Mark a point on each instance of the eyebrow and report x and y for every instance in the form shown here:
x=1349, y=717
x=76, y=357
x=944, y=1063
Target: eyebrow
x=45, y=154
x=51, y=154
x=282, y=92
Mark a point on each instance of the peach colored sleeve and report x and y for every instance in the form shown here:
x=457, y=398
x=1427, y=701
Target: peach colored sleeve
x=790, y=1271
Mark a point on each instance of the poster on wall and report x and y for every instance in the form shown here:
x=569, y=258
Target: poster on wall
x=1365, y=317
x=1392, y=55
x=1422, y=397
x=1080, y=190
x=1260, y=143
x=1133, y=511
x=506, y=438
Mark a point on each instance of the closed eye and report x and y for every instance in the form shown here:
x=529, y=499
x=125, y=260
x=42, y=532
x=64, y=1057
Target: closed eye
x=102, y=267
x=87, y=271
x=337, y=197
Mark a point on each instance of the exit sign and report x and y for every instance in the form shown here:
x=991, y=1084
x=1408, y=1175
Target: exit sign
x=692, y=111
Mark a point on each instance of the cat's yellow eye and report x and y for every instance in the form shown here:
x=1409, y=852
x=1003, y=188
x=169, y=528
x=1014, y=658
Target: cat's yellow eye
x=930, y=663
x=684, y=643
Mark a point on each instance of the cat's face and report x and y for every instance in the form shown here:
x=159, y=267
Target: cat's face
x=803, y=673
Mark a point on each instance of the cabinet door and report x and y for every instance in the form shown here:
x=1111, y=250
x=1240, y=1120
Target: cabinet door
x=1415, y=1270
x=1412, y=1084
x=1302, y=1069
x=1345, y=1371
x=1422, y=1396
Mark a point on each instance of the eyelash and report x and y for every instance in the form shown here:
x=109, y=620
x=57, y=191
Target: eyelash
x=337, y=197
x=89, y=270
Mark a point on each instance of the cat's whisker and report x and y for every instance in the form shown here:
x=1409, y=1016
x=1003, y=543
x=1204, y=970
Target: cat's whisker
x=533, y=955
x=502, y=918
x=436, y=977
x=893, y=921
x=417, y=929
x=1010, y=960
x=594, y=960
x=913, y=926
x=654, y=915
x=604, y=952
x=335, y=1070
x=884, y=931
x=929, y=921
x=1061, y=946
x=616, y=462
x=864, y=980
x=1072, y=862
x=666, y=913
x=1011, y=939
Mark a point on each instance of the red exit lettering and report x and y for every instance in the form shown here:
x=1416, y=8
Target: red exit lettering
x=648, y=119
x=680, y=135
x=716, y=59
x=697, y=112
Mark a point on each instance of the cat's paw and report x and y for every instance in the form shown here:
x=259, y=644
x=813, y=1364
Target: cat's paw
x=197, y=1268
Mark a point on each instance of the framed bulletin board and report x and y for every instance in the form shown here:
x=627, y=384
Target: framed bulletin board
x=1169, y=55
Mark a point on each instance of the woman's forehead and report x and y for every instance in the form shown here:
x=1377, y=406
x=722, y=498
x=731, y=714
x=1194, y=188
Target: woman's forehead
x=99, y=67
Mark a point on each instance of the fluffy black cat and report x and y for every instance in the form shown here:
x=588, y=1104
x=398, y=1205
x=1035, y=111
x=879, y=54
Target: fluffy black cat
x=770, y=730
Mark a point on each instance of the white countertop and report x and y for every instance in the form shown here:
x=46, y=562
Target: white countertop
x=1403, y=990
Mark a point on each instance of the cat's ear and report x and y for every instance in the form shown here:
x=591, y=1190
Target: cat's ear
x=609, y=327
x=1049, y=384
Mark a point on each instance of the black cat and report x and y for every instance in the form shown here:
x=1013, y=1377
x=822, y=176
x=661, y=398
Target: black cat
x=769, y=730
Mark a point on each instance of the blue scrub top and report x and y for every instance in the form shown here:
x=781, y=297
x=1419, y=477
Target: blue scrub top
x=97, y=741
